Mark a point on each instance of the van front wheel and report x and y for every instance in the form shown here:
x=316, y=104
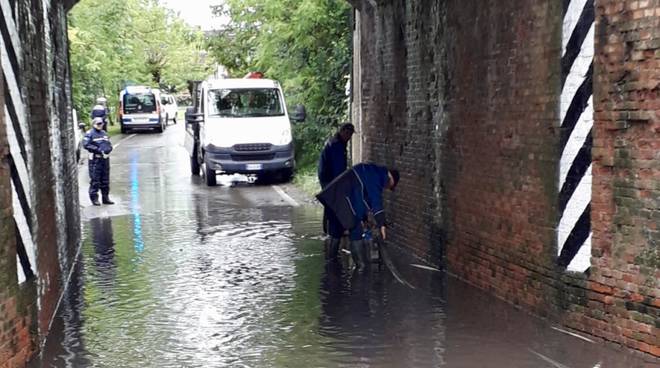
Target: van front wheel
x=194, y=166
x=286, y=175
x=209, y=176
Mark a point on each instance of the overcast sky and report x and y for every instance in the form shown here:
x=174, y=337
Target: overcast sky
x=196, y=12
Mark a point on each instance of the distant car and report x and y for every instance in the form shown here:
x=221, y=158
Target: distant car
x=171, y=109
x=140, y=108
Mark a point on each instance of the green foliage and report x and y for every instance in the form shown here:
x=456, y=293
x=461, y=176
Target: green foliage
x=305, y=44
x=119, y=42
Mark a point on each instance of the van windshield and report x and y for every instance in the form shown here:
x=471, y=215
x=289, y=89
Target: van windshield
x=139, y=103
x=245, y=102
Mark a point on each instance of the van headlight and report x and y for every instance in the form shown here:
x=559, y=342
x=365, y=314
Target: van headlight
x=285, y=138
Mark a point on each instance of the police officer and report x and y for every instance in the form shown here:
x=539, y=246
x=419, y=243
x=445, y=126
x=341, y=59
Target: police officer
x=100, y=110
x=98, y=144
x=352, y=196
x=333, y=162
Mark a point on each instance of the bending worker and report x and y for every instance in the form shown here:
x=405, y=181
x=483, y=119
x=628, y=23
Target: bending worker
x=332, y=163
x=98, y=144
x=355, y=194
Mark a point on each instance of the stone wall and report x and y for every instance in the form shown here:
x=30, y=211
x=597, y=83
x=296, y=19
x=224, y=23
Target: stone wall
x=486, y=107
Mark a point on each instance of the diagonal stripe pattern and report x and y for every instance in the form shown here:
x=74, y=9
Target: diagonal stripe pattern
x=576, y=116
x=18, y=137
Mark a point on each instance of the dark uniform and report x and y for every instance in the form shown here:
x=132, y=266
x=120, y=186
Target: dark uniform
x=333, y=162
x=98, y=144
x=100, y=111
x=352, y=196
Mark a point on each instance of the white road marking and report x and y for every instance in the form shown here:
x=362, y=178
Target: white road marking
x=424, y=267
x=552, y=362
x=573, y=334
x=285, y=196
x=124, y=140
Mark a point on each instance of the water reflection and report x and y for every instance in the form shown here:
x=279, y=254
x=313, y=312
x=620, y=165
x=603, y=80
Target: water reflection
x=250, y=287
x=104, y=251
x=373, y=319
x=135, y=205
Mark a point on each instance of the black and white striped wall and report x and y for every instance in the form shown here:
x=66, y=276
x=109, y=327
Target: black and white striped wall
x=576, y=117
x=19, y=142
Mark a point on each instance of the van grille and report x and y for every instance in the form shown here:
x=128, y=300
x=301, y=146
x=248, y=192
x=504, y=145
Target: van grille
x=251, y=147
x=254, y=157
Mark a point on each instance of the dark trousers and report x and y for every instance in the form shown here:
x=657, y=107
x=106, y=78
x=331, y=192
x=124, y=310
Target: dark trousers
x=99, y=177
x=332, y=225
x=357, y=232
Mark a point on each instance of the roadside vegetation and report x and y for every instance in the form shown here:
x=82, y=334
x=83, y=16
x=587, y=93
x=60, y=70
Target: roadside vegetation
x=306, y=45
x=114, y=43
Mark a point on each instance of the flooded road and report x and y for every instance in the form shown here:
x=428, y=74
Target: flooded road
x=177, y=274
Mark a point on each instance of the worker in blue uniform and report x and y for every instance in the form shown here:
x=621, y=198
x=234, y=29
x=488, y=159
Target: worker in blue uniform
x=352, y=196
x=332, y=163
x=98, y=144
x=100, y=110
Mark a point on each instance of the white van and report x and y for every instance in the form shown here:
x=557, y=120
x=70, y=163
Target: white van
x=239, y=126
x=140, y=108
x=168, y=102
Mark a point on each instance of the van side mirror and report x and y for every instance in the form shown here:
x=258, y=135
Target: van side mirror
x=193, y=117
x=299, y=113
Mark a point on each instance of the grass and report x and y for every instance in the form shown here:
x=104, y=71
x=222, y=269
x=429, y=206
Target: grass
x=307, y=181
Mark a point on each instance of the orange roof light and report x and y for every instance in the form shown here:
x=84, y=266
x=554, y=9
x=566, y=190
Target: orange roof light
x=254, y=75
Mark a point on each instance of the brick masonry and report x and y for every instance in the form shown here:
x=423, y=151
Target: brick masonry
x=464, y=98
x=38, y=157
x=16, y=342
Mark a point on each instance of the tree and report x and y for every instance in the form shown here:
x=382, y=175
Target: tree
x=116, y=42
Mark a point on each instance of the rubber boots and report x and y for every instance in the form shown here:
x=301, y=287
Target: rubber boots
x=333, y=249
x=94, y=199
x=359, y=254
x=106, y=200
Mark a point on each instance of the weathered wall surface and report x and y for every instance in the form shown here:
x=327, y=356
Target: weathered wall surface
x=402, y=111
x=39, y=194
x=17, y=316
x=626, y=202
x=486, y=107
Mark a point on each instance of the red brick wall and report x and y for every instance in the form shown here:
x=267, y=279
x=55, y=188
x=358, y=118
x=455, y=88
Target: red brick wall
x=42, y=75
x=16, y=341
x=401, y=89
x=626, y=200
x=500, y=155
x=463, y=97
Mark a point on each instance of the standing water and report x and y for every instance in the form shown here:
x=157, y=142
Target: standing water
x=180, y=275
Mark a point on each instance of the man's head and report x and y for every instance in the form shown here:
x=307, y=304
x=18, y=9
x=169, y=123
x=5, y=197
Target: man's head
x=97, y=123
x=394, y=177
x=101, y=101
x=346, y=132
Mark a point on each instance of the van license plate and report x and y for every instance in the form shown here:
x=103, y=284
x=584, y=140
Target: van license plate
x=253, y=167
